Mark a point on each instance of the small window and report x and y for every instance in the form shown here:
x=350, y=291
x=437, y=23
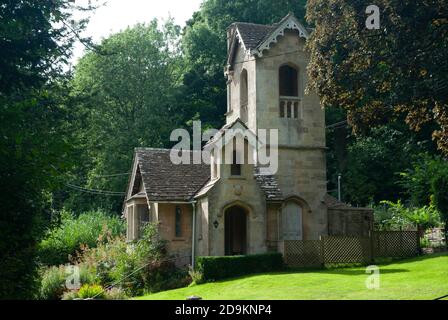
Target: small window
x=178, y=225
x=244, y=96
x=243, y=89
x=288, y=80
x=229, y=96
x=235, y=169
x=130, y=221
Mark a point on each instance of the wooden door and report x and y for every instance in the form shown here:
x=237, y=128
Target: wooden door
x=292, y=222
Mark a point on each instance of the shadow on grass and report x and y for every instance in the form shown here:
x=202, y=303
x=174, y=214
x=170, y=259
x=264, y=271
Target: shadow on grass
x=349, y=270
x=356, y=272
x=421, y=258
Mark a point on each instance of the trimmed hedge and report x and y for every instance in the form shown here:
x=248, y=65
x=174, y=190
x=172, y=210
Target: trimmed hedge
x=217, y=268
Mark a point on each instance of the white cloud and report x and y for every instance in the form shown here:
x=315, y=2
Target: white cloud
x=116, y=15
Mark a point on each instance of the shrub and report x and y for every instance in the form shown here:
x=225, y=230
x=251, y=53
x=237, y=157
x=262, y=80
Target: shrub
x=70, y=295
x=439, y=187
x=135, y=268
x=116, y=294
x=91, y=291
x=401, y=216
x=196, y=276
x=74, y=232
x=53, y=281
x=217, y=268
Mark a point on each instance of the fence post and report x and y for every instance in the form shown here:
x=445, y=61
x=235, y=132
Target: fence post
x=372, y=243
x=419, y=248
x=322, y=250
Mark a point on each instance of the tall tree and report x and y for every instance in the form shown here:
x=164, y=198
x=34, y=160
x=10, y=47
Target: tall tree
x=36, y=38
x=399, y=70
x=126, y=100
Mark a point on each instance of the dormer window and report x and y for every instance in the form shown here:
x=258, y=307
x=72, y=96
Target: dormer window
x=289, y=92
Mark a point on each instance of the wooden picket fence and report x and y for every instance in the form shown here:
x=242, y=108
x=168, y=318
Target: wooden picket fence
x=331, y=250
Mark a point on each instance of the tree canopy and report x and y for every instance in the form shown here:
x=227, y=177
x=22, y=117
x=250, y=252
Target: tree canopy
x=36, y=38
x=397, y=72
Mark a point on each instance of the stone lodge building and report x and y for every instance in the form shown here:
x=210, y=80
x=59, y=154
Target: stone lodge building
x=232, y=209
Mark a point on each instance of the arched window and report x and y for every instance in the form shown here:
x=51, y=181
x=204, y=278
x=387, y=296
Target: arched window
x=290, y=104
x=244, y=99
x=289, y=81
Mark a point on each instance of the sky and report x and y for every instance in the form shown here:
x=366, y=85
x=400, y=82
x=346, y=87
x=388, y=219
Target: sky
x=116, y=15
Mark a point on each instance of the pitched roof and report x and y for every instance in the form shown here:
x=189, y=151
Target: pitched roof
x=165, y=181
x=252, y=34
x=222, y=133
x=269, y=184
x=257, y=37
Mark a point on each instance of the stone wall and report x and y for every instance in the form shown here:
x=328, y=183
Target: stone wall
x=350, y=222
x=179, y=246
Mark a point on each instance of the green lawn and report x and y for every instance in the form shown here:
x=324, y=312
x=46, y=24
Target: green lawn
x=419, y=278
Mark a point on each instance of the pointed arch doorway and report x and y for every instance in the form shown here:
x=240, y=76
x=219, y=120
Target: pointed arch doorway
x=235, y=231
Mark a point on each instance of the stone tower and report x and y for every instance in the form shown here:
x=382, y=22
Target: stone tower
x=267, y=76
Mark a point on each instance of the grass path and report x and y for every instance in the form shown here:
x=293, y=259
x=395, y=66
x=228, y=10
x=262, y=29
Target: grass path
x=419, y=278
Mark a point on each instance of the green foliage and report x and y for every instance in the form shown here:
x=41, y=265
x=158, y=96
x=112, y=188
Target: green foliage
x=36, y=39
x=365, y=70
x=116, y=294
x=196, y=276
x=134, y=268
x=125, y=99
x=70, y=295
x=373, y=164
x=439, y=187
x=417, y=181
x=53, y=282
x=74, y=232
x=394, y=216
x=217, y=268
x=91, y=291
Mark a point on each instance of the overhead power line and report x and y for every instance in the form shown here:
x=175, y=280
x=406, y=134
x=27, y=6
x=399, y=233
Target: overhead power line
x=338, y=124
x=95, y=191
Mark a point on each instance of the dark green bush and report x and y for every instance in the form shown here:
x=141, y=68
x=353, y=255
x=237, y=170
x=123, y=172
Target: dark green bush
x=217, y=268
